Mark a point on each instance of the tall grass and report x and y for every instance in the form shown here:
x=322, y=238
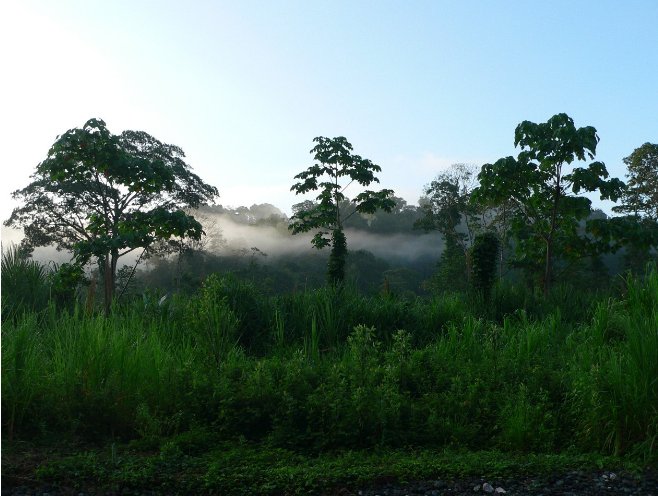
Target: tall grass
x=88, y=374
x=25, y=284
x=615, y=380
x=331, y=369
x=21, y=371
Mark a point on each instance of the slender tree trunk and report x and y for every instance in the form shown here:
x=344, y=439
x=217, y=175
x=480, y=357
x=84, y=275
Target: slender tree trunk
x=338, y=255
x=337, y=258
x=468, y=263
x=548, y=269
x=109, y=276
x=107, y=284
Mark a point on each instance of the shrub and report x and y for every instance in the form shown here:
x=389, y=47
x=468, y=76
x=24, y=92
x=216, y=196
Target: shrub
x=25, y=283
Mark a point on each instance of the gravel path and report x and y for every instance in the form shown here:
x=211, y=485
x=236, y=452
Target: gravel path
x=601, y=483
x=569, y=484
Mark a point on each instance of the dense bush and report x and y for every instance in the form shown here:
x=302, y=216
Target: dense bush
x=332, y=369
x=25, y=283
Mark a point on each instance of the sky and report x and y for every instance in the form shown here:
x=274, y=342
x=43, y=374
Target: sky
x=244, y=86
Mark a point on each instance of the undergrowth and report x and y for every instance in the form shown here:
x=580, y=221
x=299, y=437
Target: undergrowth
x=332, y=371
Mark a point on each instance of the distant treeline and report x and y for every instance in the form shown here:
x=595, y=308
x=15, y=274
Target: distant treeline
x=254, y=243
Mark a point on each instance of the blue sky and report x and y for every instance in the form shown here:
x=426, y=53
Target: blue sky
x=244, y=86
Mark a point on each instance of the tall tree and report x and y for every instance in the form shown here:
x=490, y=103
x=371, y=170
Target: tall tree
x=544, y=188
x=446, y=204
x=641, y=195
x=484, y=256
x=447, y=208
x=335, y=168
x=103, y=195
x=637, y=231
x=637, y=235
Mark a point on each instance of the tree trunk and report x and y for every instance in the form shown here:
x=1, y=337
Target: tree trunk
x=337, y=258
x=548, y=269
x=109, y=276
x=107, y=284
x=468, y=264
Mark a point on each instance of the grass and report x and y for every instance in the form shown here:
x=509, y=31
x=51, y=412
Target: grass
x=290, y=387
x=196, y=463
x=25, y=284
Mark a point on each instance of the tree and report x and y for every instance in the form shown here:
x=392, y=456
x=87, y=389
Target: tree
x=326, y=216
x=637, y=231
x=637, y=235
x=447, y=208
x=397, y=220
x=641, y=196
x=484, y=255
x=103, y=195
x=544, y=192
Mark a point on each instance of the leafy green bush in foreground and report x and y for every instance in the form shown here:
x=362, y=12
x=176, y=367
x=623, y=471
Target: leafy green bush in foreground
x=321, y=382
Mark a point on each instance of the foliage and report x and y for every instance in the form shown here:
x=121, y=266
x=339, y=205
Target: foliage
x=545, y=193
x=447, y=208
x=641, y=195
x=446, y=205
x=103, y=195
x=335, y=161
x=337, y=257
x=284, y=272
x=212, y=319
x=25, y=283
x=397, y=220
x=246, y=305
x=615, y=391
x=450, y=274
x=636, y=236
x=484, y=256
x=636, y=232
x=65, y=281
x=247, y=468
x=535, y=383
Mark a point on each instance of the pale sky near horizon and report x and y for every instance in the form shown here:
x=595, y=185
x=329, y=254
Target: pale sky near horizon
x=244, y=86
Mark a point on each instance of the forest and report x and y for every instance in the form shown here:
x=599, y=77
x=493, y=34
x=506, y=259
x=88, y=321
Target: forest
x=504, y=326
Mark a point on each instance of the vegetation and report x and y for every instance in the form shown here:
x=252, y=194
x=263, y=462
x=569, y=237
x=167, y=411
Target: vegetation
x=448, y=209
x=484, y=254
x=641, y=196
x=221, y=371
x=544, y=192
x=103, y=195
x=197, y=463
x=637, y=231
x=336, y=161
x=325, y=371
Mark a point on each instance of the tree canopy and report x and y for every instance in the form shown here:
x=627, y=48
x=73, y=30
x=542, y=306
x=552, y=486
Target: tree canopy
x=545, y=192
x=335, y=163
x=104, y=195
x=641, y=195
x=446, y=208
x=637, y=231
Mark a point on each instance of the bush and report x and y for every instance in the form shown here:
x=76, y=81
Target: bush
x=336, y=382
x=25, y=284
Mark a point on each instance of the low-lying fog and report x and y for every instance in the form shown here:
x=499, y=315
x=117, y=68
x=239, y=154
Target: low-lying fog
x=275, y=242
x=230, y=231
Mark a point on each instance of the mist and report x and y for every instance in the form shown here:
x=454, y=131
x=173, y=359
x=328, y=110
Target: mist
x=43, y=254
x=228, y=233
x=233, y=231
